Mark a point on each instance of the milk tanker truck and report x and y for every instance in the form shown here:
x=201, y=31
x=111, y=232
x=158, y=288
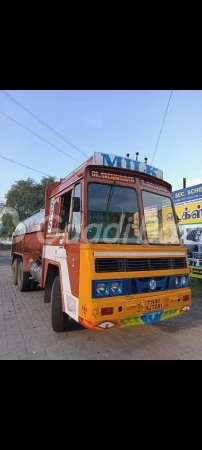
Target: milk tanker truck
x=90, y=273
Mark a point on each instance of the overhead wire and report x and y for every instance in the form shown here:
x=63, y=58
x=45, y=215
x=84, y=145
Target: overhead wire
x=162, y=126
x=160, y=129
x=43, y=123
x=37, y=135
x=23, y=165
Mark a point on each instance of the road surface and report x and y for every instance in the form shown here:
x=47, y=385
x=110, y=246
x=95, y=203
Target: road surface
x=5, y=260
x=26, y=333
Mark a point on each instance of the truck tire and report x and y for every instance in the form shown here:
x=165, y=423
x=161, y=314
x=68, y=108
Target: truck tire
x=59, y=319
x=33, y=285
x=15, y=266
x=23, y=279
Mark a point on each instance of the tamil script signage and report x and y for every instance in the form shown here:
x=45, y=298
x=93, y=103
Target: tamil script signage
x=188, y=194
x=189, y=213
x=190, y=225
x=110, y=176
x=105, y=159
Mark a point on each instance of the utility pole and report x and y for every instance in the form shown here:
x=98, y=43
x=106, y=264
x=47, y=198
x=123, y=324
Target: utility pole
x=184, y=183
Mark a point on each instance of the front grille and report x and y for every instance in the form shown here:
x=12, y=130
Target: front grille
x=142, y=285
x=104, y=265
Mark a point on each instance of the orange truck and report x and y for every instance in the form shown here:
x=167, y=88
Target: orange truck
x=101, y=250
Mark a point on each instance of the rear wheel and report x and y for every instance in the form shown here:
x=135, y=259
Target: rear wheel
x=59, y=319
x=23, y=279
x=33, y=285
x=15, y=266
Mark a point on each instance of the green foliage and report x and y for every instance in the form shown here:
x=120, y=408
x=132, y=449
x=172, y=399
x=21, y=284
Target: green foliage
x=2, y=205
x=26, y=197
x=8, y=226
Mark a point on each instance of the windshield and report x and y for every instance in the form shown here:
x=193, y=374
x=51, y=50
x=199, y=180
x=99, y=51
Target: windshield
x=159, y=219
x=113, y=214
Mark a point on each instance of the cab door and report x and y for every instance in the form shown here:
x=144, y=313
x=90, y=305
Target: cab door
x=73, y=239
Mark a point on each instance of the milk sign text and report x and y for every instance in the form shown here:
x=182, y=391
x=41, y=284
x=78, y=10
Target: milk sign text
x=105, y=159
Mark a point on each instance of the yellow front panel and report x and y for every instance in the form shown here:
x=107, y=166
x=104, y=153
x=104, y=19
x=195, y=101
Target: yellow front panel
x=133, y=309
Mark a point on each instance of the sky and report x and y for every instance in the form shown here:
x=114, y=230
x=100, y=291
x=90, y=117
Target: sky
x=116, y=122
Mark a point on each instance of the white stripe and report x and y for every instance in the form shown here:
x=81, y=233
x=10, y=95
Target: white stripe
x=146, y=254
x=55, y=253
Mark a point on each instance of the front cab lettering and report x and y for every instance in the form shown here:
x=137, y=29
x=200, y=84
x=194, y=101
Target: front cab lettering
x=127, y=163
x=151, y=170
x=117, y=162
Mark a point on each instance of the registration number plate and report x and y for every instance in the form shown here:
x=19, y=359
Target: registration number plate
x=154, y=305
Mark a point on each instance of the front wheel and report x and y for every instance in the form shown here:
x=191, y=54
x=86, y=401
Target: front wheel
x=59, y=319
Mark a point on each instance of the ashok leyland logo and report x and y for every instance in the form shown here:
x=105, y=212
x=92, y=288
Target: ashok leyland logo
x=152, y=284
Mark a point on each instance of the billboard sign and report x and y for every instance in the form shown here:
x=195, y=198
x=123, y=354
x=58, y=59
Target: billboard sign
x=188, y=194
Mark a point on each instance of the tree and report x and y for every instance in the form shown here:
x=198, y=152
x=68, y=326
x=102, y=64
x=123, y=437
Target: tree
x=7, y=224
x=2, y=206
x=26, y=197
x=41, y=188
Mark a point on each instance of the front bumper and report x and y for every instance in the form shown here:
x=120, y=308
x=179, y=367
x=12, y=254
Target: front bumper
x=135, y=309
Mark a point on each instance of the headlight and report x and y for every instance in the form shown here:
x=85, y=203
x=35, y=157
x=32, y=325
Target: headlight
x=114, y=286
x=177, y=281
x=184, y=281
x=101, y=288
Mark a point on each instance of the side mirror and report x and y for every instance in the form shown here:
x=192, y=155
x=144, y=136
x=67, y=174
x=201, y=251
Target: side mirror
x=76, y=204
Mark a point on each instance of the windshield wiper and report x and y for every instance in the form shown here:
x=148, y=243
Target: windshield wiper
x=110, y=196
